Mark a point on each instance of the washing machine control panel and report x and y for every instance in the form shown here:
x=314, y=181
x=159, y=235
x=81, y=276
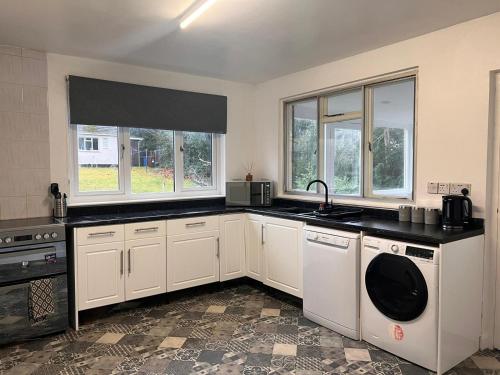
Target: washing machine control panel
x=418, y=252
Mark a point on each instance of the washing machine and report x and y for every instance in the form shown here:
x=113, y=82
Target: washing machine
x=399, y=299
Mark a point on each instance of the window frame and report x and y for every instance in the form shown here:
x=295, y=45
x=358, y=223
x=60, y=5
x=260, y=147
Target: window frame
x=326, y=119
x=368, y=160
x=366, y=123
x=124, y=193
x=91, y=139
x=289, y=146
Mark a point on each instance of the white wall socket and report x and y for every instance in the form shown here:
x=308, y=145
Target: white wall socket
x=432, y=187
x=443, y=188
x=456, y=188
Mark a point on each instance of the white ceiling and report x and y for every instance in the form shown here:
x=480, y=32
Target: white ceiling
x=241, y=40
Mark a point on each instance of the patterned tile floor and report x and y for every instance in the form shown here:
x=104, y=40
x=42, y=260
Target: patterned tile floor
x=237, y=329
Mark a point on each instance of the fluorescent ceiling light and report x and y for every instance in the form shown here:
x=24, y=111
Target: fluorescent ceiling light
x=196, y=13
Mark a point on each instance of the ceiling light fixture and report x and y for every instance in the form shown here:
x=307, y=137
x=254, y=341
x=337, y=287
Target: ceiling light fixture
x=196, y=13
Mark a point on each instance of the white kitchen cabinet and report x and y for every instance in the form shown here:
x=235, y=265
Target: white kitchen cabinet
x=146, y=267
x=100, y=275
x=232, y=246
x=115, y=263
x=192, y=259
x=254, y=228
x=283, y=255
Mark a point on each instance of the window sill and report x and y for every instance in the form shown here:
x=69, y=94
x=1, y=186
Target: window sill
x=79, y=202
x=389, y=203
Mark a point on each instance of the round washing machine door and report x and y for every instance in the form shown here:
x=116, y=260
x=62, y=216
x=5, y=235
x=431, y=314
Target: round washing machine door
x=396, y=287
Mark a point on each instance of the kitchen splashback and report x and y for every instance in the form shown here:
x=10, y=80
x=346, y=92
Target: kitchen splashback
x=24, y=130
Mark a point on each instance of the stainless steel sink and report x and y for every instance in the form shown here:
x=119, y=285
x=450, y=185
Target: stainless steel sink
x=333, y=214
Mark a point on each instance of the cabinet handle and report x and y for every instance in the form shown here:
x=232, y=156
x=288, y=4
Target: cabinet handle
x=198, y=224
x=152, y=229
x=218, y=247
x=262, y=194
x=262, y=234
x=121, y=262
x=101, y=234
x=129, y=262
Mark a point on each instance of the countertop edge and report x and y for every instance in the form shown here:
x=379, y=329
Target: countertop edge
x=398, y=235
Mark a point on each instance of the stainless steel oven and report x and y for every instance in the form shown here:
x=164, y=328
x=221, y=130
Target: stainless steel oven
x=33, y=279
x=249, y=193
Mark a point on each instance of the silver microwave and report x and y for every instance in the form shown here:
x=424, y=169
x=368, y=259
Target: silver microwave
x=249, y=193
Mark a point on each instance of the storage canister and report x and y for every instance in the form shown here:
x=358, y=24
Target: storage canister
x=417, y=215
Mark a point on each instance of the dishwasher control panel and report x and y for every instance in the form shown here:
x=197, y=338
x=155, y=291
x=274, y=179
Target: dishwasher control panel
x=327, y=239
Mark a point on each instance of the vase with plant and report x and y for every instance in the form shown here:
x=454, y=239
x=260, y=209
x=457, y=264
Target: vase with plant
x=249, y=168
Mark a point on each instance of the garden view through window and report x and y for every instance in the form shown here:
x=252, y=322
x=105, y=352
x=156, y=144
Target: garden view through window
x=142, y=161
x=359, y=141
x=97, y=170
x=152, y=161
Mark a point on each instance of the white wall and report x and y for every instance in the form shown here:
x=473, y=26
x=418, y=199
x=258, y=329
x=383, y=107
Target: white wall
x=240, y=98
x=452, y=114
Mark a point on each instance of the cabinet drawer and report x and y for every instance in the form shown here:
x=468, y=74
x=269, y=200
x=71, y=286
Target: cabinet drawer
x=192, y=225
x=100, y=234
x=146, y=229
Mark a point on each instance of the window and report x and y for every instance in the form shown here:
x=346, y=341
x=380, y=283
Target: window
x=359, y=141
x=197, y=159
x=136, y=163
x=391, y=126
x=88, y=144
x=303, y=138
x=343, y=134
x=97, y=170
x=152, y=161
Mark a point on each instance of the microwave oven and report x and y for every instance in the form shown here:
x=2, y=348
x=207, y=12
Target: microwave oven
x=249, y=193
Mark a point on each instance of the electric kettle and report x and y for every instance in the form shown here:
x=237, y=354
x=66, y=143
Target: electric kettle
x=457, y=210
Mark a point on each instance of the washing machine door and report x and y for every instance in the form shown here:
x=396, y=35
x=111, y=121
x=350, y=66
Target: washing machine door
x=396, y=287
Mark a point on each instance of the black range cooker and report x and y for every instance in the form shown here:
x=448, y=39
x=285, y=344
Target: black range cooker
x=33, y=279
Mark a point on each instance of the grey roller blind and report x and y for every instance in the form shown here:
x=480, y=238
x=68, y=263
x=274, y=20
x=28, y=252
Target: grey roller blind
x=100, y=102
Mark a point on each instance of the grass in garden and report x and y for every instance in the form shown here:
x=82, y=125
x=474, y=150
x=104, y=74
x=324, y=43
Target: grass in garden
x=98, y=179
x=143, y=180
x=151, y=180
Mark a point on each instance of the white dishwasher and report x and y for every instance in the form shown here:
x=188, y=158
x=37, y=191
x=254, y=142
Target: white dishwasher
x=331, y=279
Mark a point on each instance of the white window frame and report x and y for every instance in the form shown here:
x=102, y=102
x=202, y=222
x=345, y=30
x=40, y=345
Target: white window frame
x=410, y=157
x=366, y=127
x=85, y=139
x=124, y=193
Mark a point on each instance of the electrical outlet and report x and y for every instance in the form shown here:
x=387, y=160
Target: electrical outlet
x=432, y=187
x=456, y=188
x=443, y=188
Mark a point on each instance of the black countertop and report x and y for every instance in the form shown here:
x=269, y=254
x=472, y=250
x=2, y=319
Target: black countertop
x=373, y=222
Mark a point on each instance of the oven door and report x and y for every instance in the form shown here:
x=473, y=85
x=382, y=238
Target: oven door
x=20, y=269
x=16, y=323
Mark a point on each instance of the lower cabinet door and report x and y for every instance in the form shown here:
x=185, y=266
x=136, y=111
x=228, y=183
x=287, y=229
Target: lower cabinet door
x=192, y=260
x=100, y=275
x=254, y=227
x=283, y=255
x=232, y=246
x=146, y=267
